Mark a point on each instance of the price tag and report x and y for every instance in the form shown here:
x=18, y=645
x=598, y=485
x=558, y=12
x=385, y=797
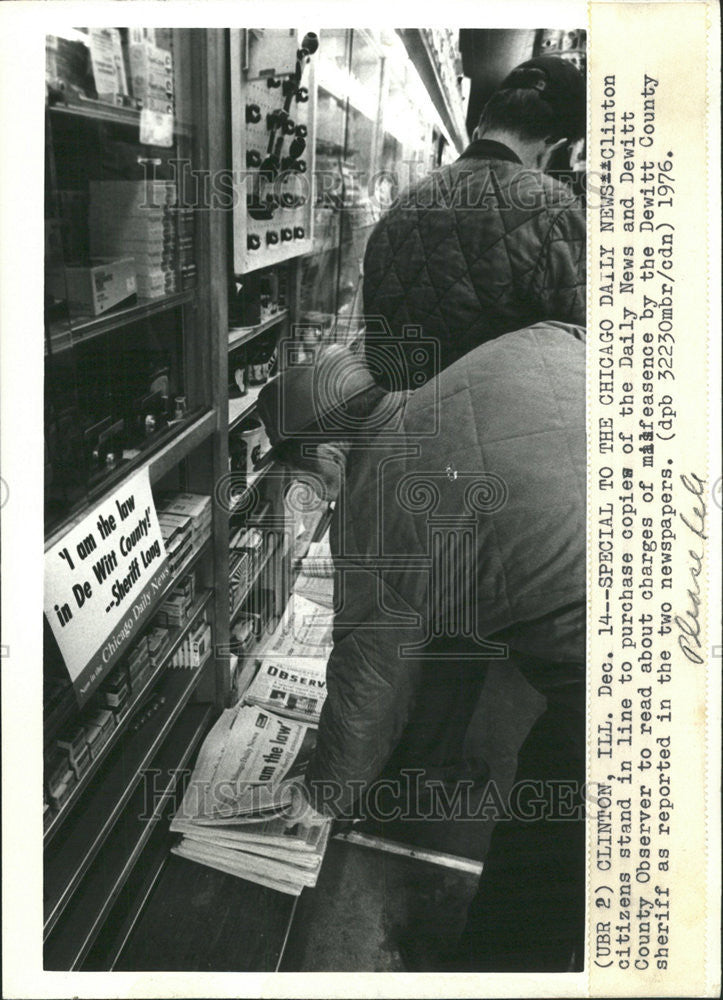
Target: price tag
x=156, y=128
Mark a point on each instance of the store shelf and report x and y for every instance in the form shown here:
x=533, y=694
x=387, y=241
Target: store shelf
x=71, y=942
x=159, y=462
x=273, y=545
x=418, y=44
x=121, y=729
x=251, y=481
x=64, y=711
x=242, y=407
x=128, y=908
x=243, y=334
x=94, y=110
x=65, y=334
x=250, y=929
x=177, y=449
x=86, y=831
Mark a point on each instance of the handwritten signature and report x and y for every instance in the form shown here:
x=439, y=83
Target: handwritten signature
x=689, y=623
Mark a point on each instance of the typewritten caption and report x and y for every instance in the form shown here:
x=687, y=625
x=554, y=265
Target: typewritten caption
x=648, y=526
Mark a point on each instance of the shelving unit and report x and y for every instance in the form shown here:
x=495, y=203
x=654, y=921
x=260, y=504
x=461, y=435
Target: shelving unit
x=179, y=444
x=86, y=911
x=242, y=335
x=86, y=831
x=121, y=728
x=244, y=406
x=78, y=330
x=100, y=111
x=114, y=897
x=100, y=845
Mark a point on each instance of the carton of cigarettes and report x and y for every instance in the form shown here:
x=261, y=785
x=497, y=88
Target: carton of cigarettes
x=99, y=725
x=61, y=779
x=158, y=642
x=96, y=289
x=114, y=692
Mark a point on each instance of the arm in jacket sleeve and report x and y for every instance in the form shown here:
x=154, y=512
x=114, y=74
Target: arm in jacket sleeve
x=558, y=282
x=370, y=692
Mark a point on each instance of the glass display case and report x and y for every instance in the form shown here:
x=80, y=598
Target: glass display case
x=377, y=132
x=121, y=270
x=132, y=384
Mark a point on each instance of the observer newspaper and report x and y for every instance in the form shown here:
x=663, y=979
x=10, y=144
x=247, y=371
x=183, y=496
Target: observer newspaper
x=653, y=663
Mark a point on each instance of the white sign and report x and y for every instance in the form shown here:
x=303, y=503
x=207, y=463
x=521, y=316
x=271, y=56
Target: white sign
x=103, y=579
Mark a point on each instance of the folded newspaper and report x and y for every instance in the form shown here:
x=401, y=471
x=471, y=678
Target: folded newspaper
x=247, y=766
x=304, y=630
x=316, y=573
x=243, y=811
x=293, y=686
x=318, y=560
x=319, y=589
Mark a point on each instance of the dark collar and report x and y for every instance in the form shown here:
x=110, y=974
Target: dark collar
x=488, y=149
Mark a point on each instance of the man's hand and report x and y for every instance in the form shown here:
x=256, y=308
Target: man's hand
x=295, y=796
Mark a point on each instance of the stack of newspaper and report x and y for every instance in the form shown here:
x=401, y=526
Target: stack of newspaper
x=244, y=808
x=244, y=811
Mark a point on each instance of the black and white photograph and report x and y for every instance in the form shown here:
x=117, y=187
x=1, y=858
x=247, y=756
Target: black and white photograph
x=359, y=454
x=314, y=679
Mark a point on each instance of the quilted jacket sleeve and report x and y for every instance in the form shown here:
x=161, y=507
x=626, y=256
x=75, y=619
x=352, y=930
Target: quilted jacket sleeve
x=558, y=281
x=371, y=690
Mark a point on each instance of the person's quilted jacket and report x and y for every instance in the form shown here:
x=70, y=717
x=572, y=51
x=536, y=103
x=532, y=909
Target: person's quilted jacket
x=466, y=514
x=476, y=249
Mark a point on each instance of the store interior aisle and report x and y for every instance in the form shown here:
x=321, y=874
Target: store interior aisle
x=366, y=897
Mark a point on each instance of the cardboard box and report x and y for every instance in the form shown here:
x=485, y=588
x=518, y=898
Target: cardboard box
x=96, y=289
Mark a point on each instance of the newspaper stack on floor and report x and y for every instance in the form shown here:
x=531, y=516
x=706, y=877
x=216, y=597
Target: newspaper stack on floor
x=239, y=811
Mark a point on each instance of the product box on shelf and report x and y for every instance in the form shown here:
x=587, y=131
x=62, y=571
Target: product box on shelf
x=139, y=664
x=140, y=218
x=174, y=611
x=60, y=778
x=67, y=63
x=249, y=540
x=74, y=744
x=92, y=290
x=195, y=647
x=196, y=506
x=114, y=692
x=159, y=640
x=99, y=724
